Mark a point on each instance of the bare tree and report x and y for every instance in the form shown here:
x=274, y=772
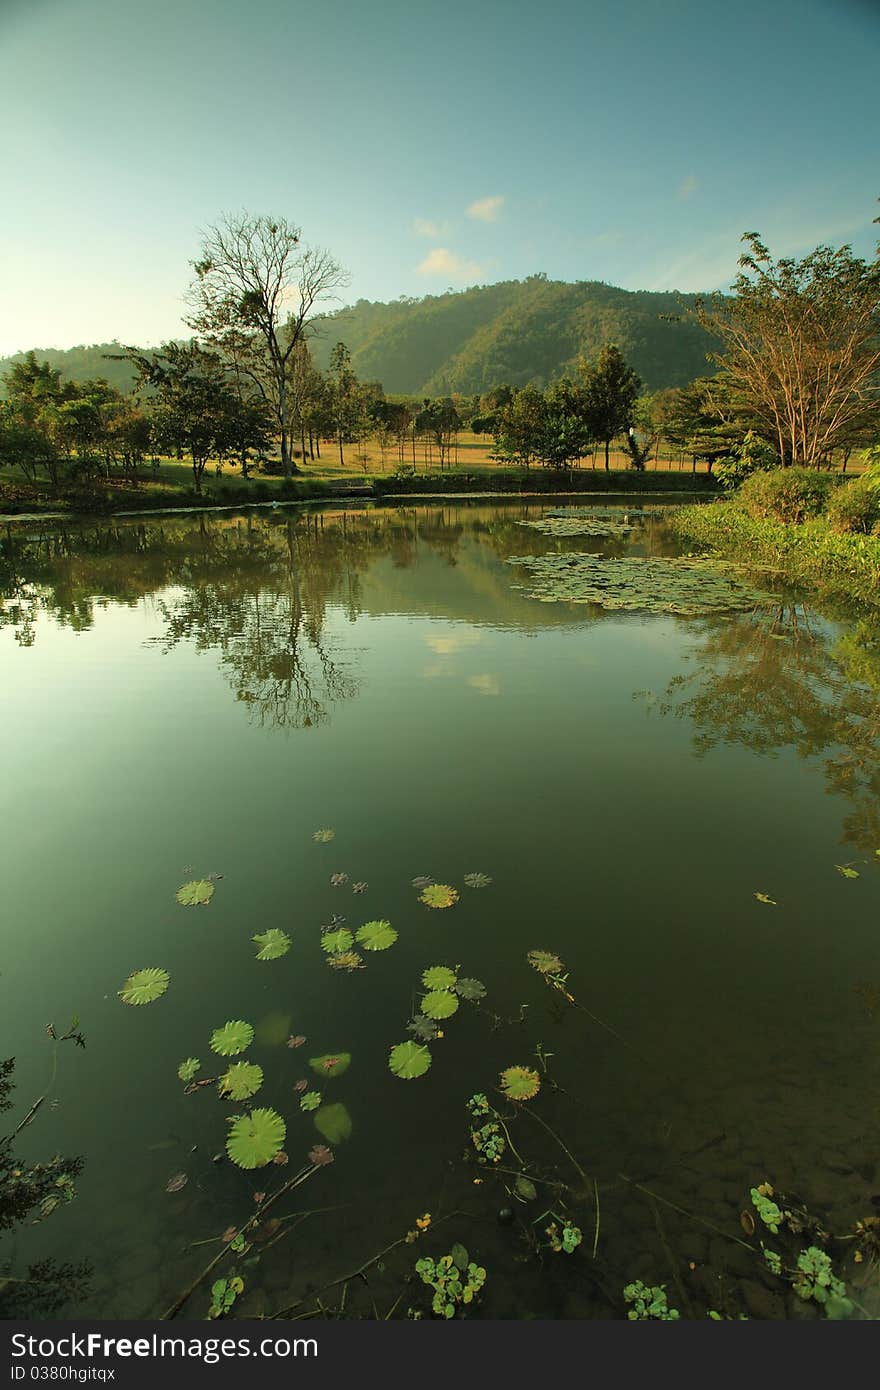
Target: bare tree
x=259, y=288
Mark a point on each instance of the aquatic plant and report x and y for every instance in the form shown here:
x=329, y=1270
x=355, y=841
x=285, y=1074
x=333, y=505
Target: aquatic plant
x=255, y=1139
x=296, y=1040
x=425, y=880
x=846, y=871
x=376, y=936
x=578, y=524
x=187, y=1070
x=224, y=1292
x=423, y=1027
x=409, y=1060
x=767, y=1209
x=323, y=837
x=241, y=1080
x=471, y=990
x=763, y=898
x=320, y=1155
x=478, y=1104
x=455, y=1279
x=232, y=1038
x=310, y=1101
x=438, y=977
x=272, y=943
x=359, y=887
x=176, y=1183
x=333, y=1122
x=338, y=880
x=331, y=1064
x=197, y=893
x=545, y=962
x=145, y=986
x=439, y=1004
x=816, y=1280
x=439, y=895
x=564, y=1240
x=684, y=586
x=339, y=940
x=489, y=1142
x=649, y=1303
x=477, y=880
x=520, y=1083
x=346, y=960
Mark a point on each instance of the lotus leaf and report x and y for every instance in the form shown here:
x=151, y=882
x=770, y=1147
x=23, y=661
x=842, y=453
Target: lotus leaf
x=424, y=880
x=340, y=940
x=477, y=880
x=423, y=1027
x=255, y=1139
x=520, y=1083
x=334, y=1122
x=272, y=943
x=438, y=977
x=310, y=1101
x=323, y=837
x=241, y=1080
x=376, y=936
x=763, y=898
x=846, y=871
x=332, y=1064
x=346, y=960
x=439, y=895
x=196, y=892
x=581, y=524
x=685, y=586
x=232, y=1038
x=471, y=990
x=439, y=1003
x=360, y=886
x=409, y=1060
x=187, y=1070
x=337, y=880
x=143, y=986
x=525, y=1189
x=545, y=962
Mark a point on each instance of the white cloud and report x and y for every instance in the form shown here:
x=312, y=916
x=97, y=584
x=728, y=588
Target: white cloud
x=442, y=262
x=424, y=226
x=688, y=187
x=486, y=209
x=485, y=684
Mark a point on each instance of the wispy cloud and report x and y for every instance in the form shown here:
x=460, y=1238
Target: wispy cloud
x=688, y=187
x=424, y=226
x=442, y=262
x=485, y=684
x=486, y=209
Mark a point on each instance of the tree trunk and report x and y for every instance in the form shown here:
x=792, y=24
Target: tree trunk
x=607, y=447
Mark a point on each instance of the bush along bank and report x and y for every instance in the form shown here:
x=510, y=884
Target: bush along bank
x=550, y=480
x=803, y=524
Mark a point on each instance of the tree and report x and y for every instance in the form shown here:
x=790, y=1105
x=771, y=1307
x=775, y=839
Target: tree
x=610, y=388
x=801, y=347
x=257, y=284
x=347, y=401
x=440, y=420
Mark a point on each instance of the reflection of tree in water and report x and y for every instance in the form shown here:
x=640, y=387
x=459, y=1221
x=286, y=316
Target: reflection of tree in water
x=777, y=679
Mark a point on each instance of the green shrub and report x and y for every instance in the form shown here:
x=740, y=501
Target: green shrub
x=855, y=507
x=789, y=495
x=753, y=455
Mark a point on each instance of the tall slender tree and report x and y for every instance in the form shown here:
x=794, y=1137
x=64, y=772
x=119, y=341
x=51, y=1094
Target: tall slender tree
x=610, y=388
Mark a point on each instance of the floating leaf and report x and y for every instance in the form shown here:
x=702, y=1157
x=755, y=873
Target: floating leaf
x=520, y=1083
x=762, y=898
x=334, y=1122
x=425, y=880
x=197, y=892
x=408, y=1060
x=686, y=586
x=438, y=977
x=459, y=1257
x=281, y=1159
x=337, y=880
x=472, y=990
x=301, y=1085
x=272, y=943
x=310, y=1101
x=332, y=1064
x=143, y=986
x=187, y=1070
x=477, y=880
x=423, y=1027
x=177, y=1183
x=241, y=1081
x=296, y=1040
x=323, y=837
x=232, y=1038
x=525, y=1189
x=359, y=887
x=346, y=960
x=320, y=1155
x=376, y=936
x=545, y=962
x=255, y=1139
x=440, y=1003
x=846, y=871
x=439, y=895
x=333, y=941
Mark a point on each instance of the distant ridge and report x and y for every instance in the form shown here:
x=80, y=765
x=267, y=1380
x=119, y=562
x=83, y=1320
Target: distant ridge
x=524, y=332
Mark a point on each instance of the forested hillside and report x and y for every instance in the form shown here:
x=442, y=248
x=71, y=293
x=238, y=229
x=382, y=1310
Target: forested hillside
x=525, y=332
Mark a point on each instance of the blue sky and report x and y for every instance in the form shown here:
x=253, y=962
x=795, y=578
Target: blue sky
x=427, y=145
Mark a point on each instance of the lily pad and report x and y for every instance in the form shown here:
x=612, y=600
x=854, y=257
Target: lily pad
x=196, y=893
x=241, y=1080
x=176, y=1183
x=545, y=962
x=520, y=1083
x=438, y=977
x=272, y=943
x=846, y=872
x=331, y=1064
x=232, y=1038
x=376, y=936
x=337, y=880
x=255, y=1139
x=346, y=960
x=310, y=1101
x=423, y=1027
x=187, y=1070
x=439, y=1003
x=339, y=940
x=439, y=895
x=323, y=837
x=477, y=880
x=424, y=880
x=144, y=986
x=525, y=1189
x=334, y=1122
x=409, y=1060
x=471, y=990
x=686, y=586
x=763, y=898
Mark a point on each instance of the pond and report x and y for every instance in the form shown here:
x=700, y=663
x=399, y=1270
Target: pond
x=666, y=802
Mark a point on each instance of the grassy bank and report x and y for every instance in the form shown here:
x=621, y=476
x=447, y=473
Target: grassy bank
x=812, y=552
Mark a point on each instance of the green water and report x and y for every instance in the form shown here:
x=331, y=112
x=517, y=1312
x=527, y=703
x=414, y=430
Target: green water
x=193, y=695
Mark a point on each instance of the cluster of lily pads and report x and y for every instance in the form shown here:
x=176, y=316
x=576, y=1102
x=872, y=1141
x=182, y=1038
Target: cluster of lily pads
x=685, y=586
x=338, y=942
x=582, y=521
x=443, y=988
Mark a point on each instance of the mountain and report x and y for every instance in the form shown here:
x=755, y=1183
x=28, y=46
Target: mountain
x=519, y=331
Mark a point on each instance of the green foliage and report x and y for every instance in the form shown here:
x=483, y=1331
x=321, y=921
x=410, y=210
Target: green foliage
x=255, y=1139
x=241, y=1080
x=752, y=455
x=520, y=1083
x=333, y=1122
x=767, y=1209
x=376, y=936
x=145, y=986
x=477, y=880
x=565, y=1239
x=649, y=1303
x=854, y=508
x=232, y=1038
x=454, y=1286
x=311, y=1100
x=409, y=1060
x=686, y=586
x=438, y=895
x=224, y=1292
x=439, y=1004
x=187, y=1070
x=196, y=893
x=489, y=1142
x=438, y=977
x=337, y=941
x=815, y=1279
x=471, y=990
x=331, y=1064
x=789, y=495
x=272, y=943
